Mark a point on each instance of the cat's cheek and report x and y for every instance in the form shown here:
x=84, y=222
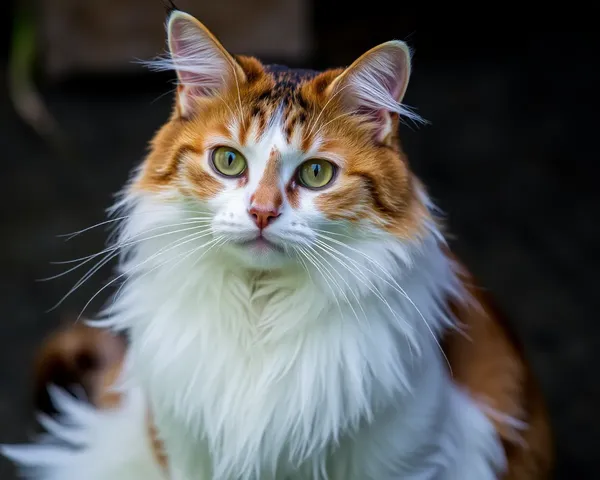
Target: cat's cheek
x=311, y=212
x=307, y=211
x=197, y=182
x=230, y=206
x=348, y=200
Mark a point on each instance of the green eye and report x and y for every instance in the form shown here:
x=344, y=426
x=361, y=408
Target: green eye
x=228, y=161
x=316, y=173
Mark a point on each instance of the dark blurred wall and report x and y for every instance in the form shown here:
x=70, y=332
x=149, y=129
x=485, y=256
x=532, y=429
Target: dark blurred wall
x=6, y=11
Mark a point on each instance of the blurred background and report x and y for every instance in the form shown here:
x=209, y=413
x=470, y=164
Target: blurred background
x=508, y=156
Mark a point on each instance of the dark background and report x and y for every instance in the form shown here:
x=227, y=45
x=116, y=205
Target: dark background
x=509, y=156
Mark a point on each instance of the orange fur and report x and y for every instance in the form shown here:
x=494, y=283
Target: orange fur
x=75, y=355
x=268, y=196
x=490, y=363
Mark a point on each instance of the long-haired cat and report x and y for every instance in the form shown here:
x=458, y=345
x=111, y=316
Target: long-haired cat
x=288, y=297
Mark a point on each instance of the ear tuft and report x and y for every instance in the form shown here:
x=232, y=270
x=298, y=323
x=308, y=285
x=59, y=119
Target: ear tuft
x=170, y=6
x=377, y=82
x=202, y=64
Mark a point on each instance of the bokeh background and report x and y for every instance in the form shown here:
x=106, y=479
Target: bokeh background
x=510, y=155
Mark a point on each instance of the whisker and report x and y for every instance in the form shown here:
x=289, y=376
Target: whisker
x=306, y=254
x=333, y=251
x=220, y=241
x=341, y=290
x=125, y=217
x=130, y=270
x=212, y=243
x=79, y=232
x=301, y=260
x=312, y=126
x=217, y=242
x=222, y=244
x=237, y=85
x=396, y=287
x=220, y=97
x=107, y=258
x=168, y=92
x=81, y=264
x=334, y=233
x=186, y=253
x=126, y=244
x=326, y=274
x=333, y=120
x=364, y=280
x=115, y=253
x=89, y=274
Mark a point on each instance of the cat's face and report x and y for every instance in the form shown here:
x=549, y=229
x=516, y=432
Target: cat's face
x=281, y=160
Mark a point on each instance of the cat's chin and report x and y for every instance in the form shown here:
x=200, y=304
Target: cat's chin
x=260, y=254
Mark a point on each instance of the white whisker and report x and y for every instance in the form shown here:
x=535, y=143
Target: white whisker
x=117, y=246
x=85, y=278
x=131, y=270
x=126, y=217
x=301, y=260
x=341, y=289
x=363, y=278
x=319, y=270
x=359, y=274
x=396, y=287
x=346, y=114
x=220, y=97
x=237, y=86
x=115, y=253
x=185, y=254
x=313, y=124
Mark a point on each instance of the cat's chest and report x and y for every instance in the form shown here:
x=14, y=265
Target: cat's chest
x=269, y=371
x=248, y=396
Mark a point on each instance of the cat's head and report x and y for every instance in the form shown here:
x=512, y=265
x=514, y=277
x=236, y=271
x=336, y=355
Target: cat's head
x=279, y=160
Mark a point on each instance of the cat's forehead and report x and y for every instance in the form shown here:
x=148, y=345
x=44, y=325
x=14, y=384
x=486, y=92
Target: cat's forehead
x=276, y=112
x=288, y=80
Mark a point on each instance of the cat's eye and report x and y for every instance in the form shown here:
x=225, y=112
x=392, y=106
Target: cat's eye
x=316, y=173
x=228, y=161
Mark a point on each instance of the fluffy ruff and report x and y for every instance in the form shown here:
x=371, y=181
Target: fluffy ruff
x=287, y=374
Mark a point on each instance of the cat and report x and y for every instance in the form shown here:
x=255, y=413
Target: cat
x=287, y=293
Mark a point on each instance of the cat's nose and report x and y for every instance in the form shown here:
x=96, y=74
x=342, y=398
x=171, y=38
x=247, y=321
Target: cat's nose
x=263, y=216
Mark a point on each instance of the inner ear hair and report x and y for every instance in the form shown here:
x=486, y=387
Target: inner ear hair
x=202, y=64
x=375, y=84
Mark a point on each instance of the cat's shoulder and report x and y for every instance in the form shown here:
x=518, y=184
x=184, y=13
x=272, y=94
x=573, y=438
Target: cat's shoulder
x=487, y=359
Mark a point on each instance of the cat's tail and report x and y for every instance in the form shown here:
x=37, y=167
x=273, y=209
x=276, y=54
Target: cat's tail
x=77, y=358
x=98, y=432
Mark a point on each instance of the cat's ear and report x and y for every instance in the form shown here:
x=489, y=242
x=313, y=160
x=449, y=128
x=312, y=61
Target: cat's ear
x=375, y=84
x=202, y=64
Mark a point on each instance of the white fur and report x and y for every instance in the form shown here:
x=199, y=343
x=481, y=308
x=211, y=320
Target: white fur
x=317, y=361
x=91, y=445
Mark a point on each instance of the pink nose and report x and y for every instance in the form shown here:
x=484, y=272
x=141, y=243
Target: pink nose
x=263, y=216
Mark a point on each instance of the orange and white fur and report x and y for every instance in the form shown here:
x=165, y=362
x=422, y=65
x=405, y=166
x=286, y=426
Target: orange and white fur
x=285, y=290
